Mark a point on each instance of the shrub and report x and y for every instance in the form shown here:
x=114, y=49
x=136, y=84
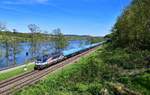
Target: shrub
x=95, y=88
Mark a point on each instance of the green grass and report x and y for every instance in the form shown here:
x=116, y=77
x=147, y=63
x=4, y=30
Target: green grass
x=66, y=81
x=15, y=72
x=92, y=75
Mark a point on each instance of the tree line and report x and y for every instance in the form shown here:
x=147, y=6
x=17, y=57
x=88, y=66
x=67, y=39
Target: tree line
x=132, y=29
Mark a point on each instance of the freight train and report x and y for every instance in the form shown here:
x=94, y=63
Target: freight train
x=56, y=57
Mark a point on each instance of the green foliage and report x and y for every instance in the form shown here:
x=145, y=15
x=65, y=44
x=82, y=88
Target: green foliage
x=139, y=83
x=143, y=80
x=133, y=27
x=60, y=42
x=125, y=58
x=130, y=47
x=94, y=39
x=81, y=87
x=126, y=67
x=94, y=88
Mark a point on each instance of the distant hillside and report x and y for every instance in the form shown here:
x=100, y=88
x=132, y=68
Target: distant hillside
x=27, y=36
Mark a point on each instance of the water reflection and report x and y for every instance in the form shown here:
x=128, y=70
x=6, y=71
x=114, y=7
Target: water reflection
x=24, y=55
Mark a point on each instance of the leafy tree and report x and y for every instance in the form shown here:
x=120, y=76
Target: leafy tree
x=60, y=42
x=132, y=29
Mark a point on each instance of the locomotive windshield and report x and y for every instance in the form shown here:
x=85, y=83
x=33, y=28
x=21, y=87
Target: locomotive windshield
x=38, y=59
x=44, y=58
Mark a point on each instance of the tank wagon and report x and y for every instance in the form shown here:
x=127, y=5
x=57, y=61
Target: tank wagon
x=56, y=57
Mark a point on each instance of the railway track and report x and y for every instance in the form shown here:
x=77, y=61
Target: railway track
x=14, y=84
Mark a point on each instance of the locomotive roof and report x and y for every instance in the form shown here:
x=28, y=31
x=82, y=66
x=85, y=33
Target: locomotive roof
x=50, y=55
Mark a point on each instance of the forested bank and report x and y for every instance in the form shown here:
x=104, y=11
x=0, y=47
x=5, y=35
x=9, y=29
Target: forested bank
x=129, y=49
x=132, y=30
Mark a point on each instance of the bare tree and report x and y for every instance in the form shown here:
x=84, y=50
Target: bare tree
x=6, y=44
x=15, y=45
x=14, y=30
x=1, y=53
x=2, y=26
x=5, y=41
x=34, y=29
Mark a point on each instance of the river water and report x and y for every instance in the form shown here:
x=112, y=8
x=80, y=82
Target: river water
x=22, y=57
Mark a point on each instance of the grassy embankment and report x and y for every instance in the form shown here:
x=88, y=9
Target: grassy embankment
x=15, y=72
x=104, y=72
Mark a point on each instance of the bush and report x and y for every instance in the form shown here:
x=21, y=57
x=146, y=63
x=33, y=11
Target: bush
x=95, y=88
x=143, y=80
x=81, y=87
x=126, y=59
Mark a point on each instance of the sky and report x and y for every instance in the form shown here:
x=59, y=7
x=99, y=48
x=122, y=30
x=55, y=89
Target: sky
x=80, y=17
